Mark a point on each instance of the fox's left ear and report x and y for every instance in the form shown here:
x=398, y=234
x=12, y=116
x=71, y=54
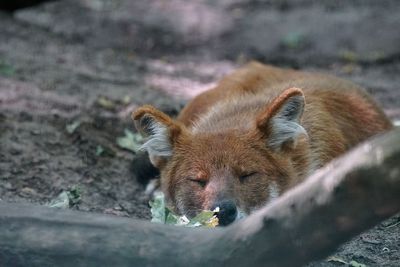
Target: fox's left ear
x=280, y=122
x=160, y=131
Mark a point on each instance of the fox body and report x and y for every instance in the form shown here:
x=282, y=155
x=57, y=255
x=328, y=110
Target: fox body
x=260, y=131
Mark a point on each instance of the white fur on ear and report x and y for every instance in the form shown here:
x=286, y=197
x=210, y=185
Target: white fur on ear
x=158, y=143
x=286, y=123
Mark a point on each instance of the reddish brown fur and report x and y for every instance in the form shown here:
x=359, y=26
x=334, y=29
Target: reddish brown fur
x=222, y=134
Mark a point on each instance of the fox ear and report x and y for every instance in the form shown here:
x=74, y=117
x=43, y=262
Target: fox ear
x=281, y=120
x=159, y=129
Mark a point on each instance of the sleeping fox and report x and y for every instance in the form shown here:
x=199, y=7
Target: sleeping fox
x=259, y=132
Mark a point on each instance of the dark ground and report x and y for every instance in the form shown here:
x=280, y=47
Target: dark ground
x=59, y=60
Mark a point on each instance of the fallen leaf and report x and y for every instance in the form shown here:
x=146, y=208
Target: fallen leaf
x=72, y=126
x=105, y=102
x=293, y=40
x=158, y=210
x=336, y=259
x=99, y=150
x=348, y=55
x=356, y=264
x=66, y=199
x=161, y=214
x=74, y=195
x=130, y=141
x=6, y=69
x=126, y=100
x=61, y=201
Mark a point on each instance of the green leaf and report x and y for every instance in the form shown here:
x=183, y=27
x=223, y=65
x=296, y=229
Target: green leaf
x=171, y=218
x=74, y=195
x=61, y=201
x=99, y=150
x=293, y=40
x=339, y=260
x=202, y=218
x=130, y=141
x=161, y=214
x=66, y=199
x=6, y=69
x=158, y=210
x=72, y=126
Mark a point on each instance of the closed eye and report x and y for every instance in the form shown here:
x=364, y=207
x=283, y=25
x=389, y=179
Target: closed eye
x=202, y=183
x=246, y=176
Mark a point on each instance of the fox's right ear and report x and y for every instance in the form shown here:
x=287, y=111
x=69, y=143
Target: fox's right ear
x=160, y=130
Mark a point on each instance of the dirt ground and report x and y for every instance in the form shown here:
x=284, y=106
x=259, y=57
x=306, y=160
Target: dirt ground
x=89, y=63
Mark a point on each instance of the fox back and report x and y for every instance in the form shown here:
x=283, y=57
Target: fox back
x=260, y=131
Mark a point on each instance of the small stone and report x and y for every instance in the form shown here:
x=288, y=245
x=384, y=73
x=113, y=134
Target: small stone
x=35, y=132
x=28, y=191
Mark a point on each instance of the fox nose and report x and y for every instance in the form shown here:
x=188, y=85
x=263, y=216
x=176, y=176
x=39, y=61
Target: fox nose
x=227, y=212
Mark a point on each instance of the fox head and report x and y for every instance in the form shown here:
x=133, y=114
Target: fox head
x=234, y=168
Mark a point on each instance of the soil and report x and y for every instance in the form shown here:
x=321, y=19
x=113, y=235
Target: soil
x=60, y=60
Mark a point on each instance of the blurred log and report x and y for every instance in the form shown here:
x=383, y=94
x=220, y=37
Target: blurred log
x=350, y=195
x=11, y=5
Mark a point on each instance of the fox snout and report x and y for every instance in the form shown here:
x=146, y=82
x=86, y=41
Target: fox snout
x=227, y=212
